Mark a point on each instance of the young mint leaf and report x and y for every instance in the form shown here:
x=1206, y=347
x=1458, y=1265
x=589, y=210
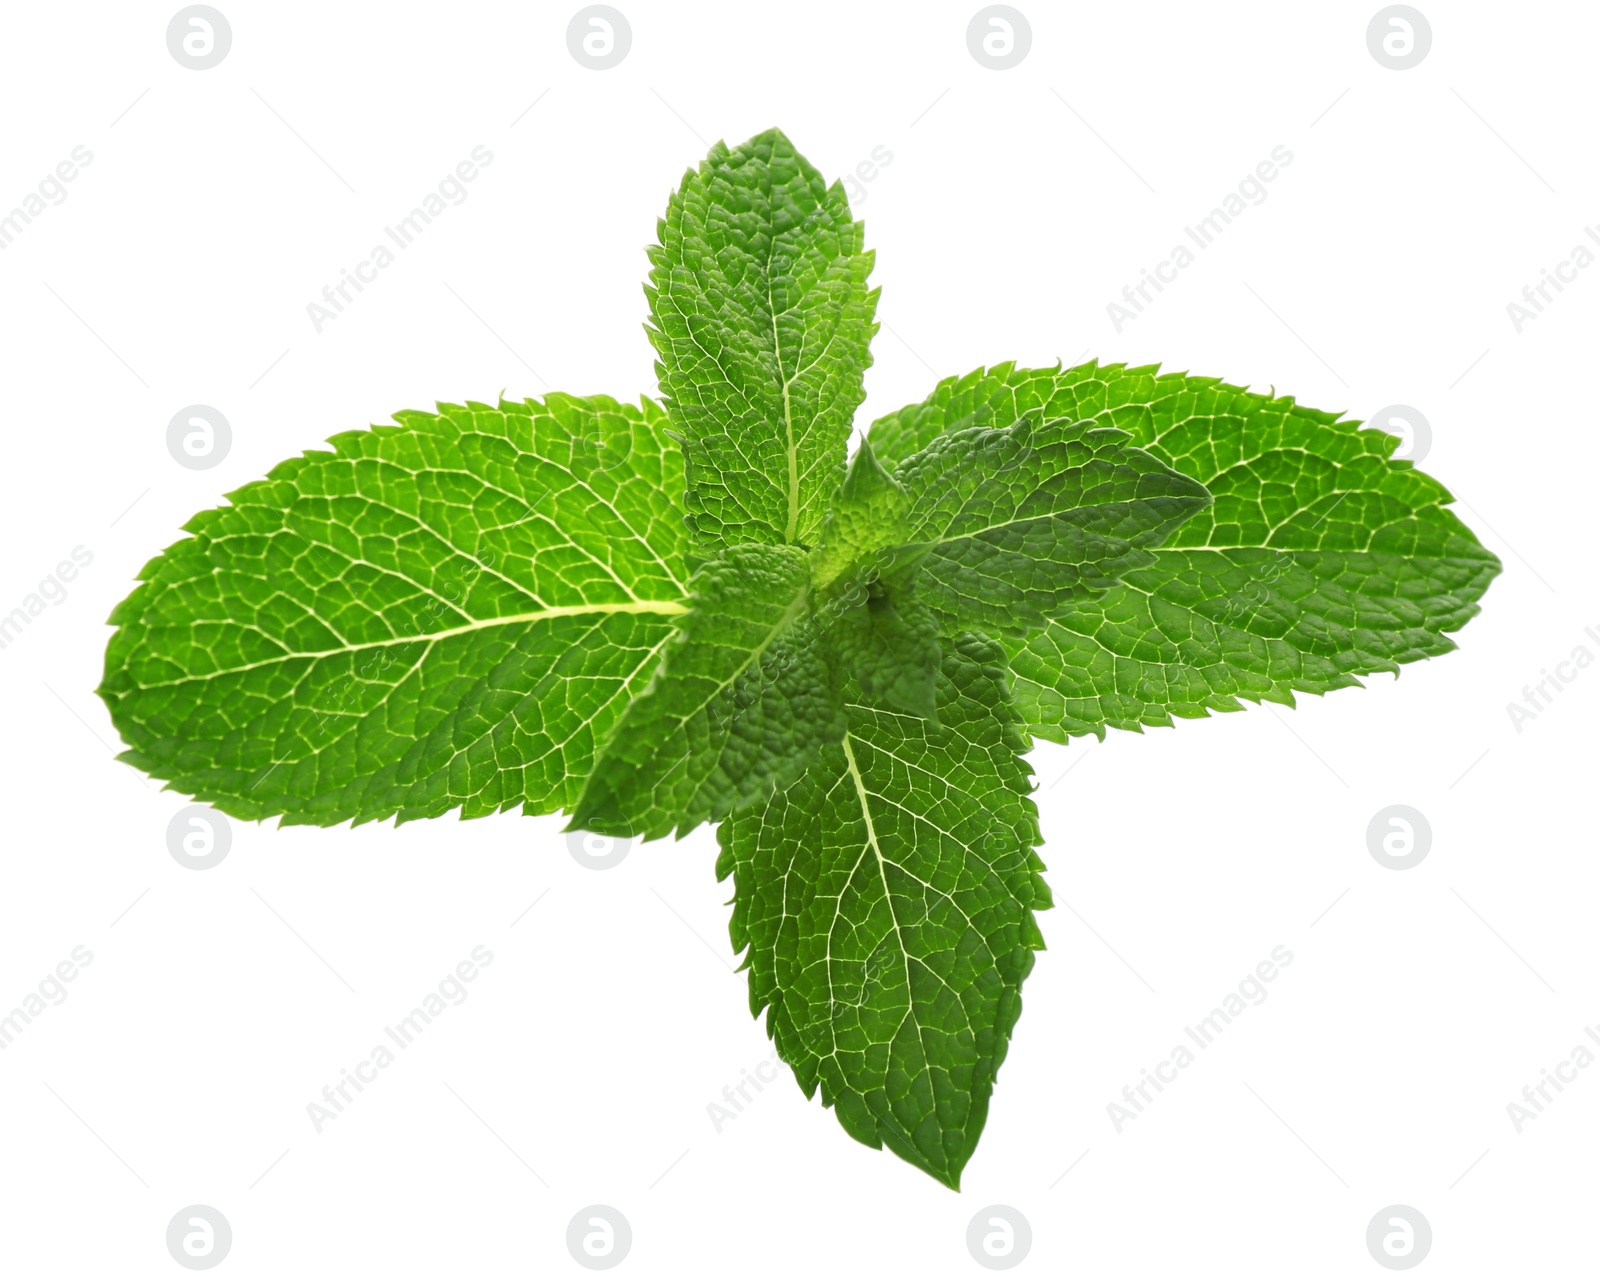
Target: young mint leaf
x=451, y=612
x=741, y=703
x=762, y=316
x=886, y=902
x=876, y=630
x=866, y=519
x=1320, y=559
x=1017, y=522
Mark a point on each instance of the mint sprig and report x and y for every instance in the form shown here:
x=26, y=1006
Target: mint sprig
x=697, y=611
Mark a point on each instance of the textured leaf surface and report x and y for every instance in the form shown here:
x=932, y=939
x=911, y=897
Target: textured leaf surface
x=887, y=905
x=762, y=317
x=867, y=519
x=484, y=608
x=741, y=703
x=889, y=643
x=451, y=612
x=1019, y=521
x=1319, y=560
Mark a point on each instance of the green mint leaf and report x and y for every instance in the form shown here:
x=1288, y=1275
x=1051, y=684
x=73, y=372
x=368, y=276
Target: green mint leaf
x=877, y=631
x=451, y=612
x=886, y=901
x=1016, y=523
x=866, y=520
x=741, y=703
x=1320, y=559
x=762, y=318
x=487, y=608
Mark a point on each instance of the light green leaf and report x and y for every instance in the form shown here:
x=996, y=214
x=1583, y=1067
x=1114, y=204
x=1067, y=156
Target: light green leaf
x=1319, y=560
x=762, y=318
x=867, y=519
x=1016, y=523
x=876, y=631
x=886, y=901
x=451, y=612
x=741, y=703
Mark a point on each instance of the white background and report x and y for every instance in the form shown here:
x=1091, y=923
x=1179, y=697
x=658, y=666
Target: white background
x=1016, y=206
